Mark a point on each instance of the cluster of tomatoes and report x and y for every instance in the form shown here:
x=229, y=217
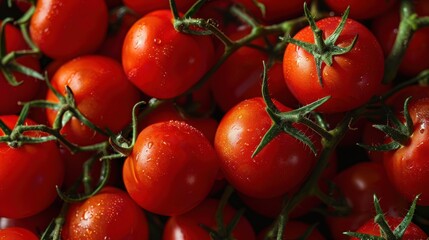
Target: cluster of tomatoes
x=214, y=119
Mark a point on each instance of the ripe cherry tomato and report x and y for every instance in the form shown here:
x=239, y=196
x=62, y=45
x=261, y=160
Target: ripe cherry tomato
x=240, y=76
x=171, y=169
x=102, y=94
x=413, y=231
x=110, y=214
x=357, y=185
x=30, y=171
x=188, y=225
x=162, y=62
x=351, y=80
x=275, y=11
x=27, y=90
x=17, y=233
x=361, y=9
x=271, y=207
x=36, y=223
x=279, y=167
x=60, y=33
x=407, y=167
x=385, y=28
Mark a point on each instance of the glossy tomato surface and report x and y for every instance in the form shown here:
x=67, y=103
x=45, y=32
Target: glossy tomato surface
x=407, y=167
x=110, y=214
x=351, y=80
x=279, y=167
x=30, y=171
x=67, y=29
x=17, y=233
x=162, y=62
x=171, y=169
x=102, y=94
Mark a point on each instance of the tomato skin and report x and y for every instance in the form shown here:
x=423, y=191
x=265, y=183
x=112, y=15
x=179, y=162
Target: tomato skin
x=55, y=24
x=351, y=80
x=27, y=90
x=24, y=176
x=17, y=233
x=357, y=185
x=187, y=226
x=239, y=78
x=282, y=165
x=162, y=62
x=171, y=169
x=385, y=28
x=407, y=167
x=276, y=11
x=413, y=231
x=35, y=223
x=102, y=94
x=110, y=214
x=360, y=9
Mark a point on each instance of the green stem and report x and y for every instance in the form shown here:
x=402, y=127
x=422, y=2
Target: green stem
x=387, y=232
x=405, y=32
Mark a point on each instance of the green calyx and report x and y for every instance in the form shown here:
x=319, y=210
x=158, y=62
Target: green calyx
x=323, y=50
x=387, y=233
x=284, y=121
x=398, y=131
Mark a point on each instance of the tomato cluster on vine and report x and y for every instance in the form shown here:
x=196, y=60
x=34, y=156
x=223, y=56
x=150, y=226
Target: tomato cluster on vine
x=214, y=119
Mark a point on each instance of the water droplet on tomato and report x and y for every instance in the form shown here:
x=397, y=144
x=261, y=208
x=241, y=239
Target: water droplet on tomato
x=157, y=41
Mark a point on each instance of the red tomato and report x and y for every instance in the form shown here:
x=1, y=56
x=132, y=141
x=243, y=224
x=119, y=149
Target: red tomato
x=27, y=90
x=271, y=207
x=275, y=11
x=295, y=230
x=407, y=167
x=162, y=62
x=17, y=233
x=144, y=7
x=357, y=185
x=35, y=223
x=188, y=225
x=413, y=231
x=278, y=168
x=171, y=169
x=351, y=80
x=361, y=9
x=29, y=174
x=385, y=28
x=110, y=214
x=102, y=94
x=60, y=33
x=240, y=76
